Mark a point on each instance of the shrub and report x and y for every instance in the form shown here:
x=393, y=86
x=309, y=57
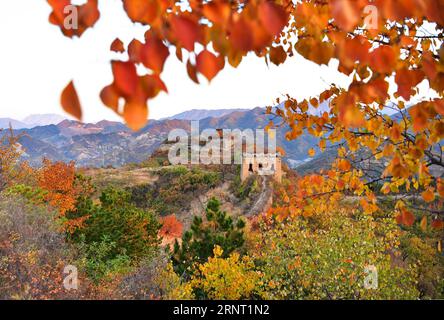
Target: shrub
x=33, y=253
x=198, y=243
x=301, y=261
x=230, y=278
x=115, y=231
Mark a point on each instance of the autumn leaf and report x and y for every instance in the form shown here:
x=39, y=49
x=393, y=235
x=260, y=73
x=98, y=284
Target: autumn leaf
x=70, y=101
x=117, y=46
x=110, y=97
x=419, y=117
x=428, y=195
x=277, y=55
x=241, y=35
x=143, y=11
x=437, y=224
x=406, y=218
x=135, y=114
x=344, y=165
x=186, y=31
x=208, y=64
x=346, y=13
x=125, y=77
x=192, y=72
x=423, y=223
x=311, y=152
x=217, y=12
x=154, y=53
x=407, y=80
x=272, y=16
x=135, y=51
x=383, y=59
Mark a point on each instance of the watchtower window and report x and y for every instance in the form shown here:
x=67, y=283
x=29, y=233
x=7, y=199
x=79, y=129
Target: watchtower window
x=260, y=166
x=250, y=167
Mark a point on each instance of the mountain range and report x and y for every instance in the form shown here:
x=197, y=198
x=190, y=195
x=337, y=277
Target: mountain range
x=31, y=121
x=109, y=143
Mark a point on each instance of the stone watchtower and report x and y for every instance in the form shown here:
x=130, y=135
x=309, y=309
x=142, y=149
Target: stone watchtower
x=266, y=164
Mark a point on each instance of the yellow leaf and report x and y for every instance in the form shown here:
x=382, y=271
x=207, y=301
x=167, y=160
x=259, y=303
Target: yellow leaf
x=311, y=152
x=423, y=223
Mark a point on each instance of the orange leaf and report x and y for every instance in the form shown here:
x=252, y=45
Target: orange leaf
x=154, y=53
x=70, y=101
x=217, y=12
x=428, y=195
x=273, y=17
x=277, y=55
x=439, y=106
x=186, y=31
x=344, y=165
x=143, y=11
x=423, y=223
x=135, y=114
x=346, y=13
x=192, y=73
x=117, y=46
x=407, y=218
x=241, y=35
x=383, y=59
x=135, y=51
x=406, y=80
x=208, y=64
x=419, y=117
x=125, y=77
x=110, y=97
x=311, y=152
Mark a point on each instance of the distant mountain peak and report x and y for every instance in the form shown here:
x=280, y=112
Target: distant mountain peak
x=35, y=120
x=199, y=114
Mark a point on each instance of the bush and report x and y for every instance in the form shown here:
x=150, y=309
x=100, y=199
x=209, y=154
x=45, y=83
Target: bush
x=33, y=252
x=197, y=244
x=116, y=232
x=231, y=278
x=301, y=261
x=154, y=279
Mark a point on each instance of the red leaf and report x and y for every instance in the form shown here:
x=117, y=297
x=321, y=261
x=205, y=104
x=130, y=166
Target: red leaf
x=346, y=13
x=407, y=80
x=241, y=35
x=273, y=17
x=437, y=224
x=135, y=51
x=70, y=101
x=407, y=218
x=125, y=77
x=208, y=64
x=186, y=31
x=419, y=117
x=154, y=53
x=110, y=97
x=383, y=59
x=192, y=72
x=143, y=11
x=117, y=46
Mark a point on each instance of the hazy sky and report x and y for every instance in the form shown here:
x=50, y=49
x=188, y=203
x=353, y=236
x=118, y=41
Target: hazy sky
x=37, y=61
